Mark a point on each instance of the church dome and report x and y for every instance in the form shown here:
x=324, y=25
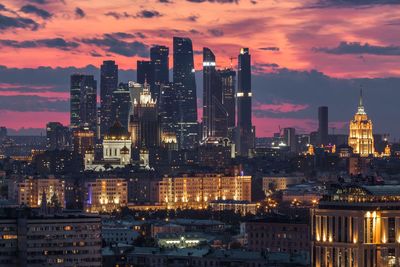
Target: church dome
x=124, y=150
x=117, y=131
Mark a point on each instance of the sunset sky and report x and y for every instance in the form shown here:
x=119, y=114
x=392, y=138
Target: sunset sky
x=304, y=53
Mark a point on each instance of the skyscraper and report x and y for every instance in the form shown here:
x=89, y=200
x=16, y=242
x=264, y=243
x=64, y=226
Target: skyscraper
x=83, y=101
x=144, y=123
x=246, y=131
x=167, y=108
x=159, y=56
x=323, y=125
x=108, y=83
x=185, y=84
x=214, y=113
x=121, y=104
x=361, y=138
x=145, y=73
x=228, y=80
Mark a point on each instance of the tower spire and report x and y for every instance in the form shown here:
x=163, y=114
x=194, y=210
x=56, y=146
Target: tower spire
x=360, y=103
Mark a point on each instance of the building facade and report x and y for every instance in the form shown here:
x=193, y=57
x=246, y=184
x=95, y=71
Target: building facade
x=106, y=195
x=197, y=191
x=323, y=125
x=28, y=239
x=121, y=103
x=357, y=226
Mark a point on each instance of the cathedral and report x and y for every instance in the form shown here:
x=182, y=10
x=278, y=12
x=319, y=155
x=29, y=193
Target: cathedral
x=361, y=138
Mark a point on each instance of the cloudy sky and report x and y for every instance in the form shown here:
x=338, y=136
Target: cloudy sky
x=305, y=53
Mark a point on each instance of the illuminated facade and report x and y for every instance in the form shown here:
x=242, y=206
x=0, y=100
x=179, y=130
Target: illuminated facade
x=116, y=150
x=31, y=190
x=360, y=136
x=106, y=195
x=196, y=192
x=357, y=226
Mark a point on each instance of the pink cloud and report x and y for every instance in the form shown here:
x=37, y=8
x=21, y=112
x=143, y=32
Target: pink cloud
x=280, y=107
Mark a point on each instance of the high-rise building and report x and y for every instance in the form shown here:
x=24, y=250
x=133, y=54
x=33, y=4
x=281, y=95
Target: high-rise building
x=144, y=123
x=108, y=84
x=289, y=136
x=145, y=74
x=3, y=133
x=228, y=79
x=357, y=225
x=121, y=103
x=167, y=108
x=159, y=56
x=246, y=131
x=215, y=117
x=185, y=85
x=361, y=138
x=323, y=125
x=57, y=136
x=83, y=101
x=33, y=239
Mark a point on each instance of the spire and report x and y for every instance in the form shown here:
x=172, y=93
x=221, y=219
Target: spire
x=360, y=104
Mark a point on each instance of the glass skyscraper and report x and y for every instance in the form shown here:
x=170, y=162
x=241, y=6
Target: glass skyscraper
x=185, y=85
x=108, y=84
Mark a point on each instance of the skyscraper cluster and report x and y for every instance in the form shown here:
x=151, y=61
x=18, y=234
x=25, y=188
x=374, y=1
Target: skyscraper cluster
x=154, y=109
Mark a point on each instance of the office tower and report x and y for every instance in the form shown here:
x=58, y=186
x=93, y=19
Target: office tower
x=289, y=136
x=357, y=225
x=323, y=125
x=167, y=108
x=145, y=73
x=121, y=103
x=246, y=131
x=215, y=124
x=108, y=84
x=228, y=79
x=83, y=101
x=144, y=123
x=159, y=56
x=185, y=84
x=30, y=238
x=57, y=136
x=361, y=138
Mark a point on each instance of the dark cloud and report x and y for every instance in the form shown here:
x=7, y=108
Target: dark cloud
x=32, y=103
x=58, y=43
x=7, y=22
x=95, y=54
x=215, y=1
x=79, y=13
x=350, y=3
x=117, y=46
x=192, y=18
x=119, y=15
x=345, y=48
x=216, y=32
x=31, y=9
x=165, y=1
x=147, y=14
x=41, y=2
x=270, y=48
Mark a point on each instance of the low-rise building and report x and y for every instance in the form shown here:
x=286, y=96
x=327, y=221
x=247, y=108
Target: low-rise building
x=116, y=235
x=106, y=194
x=242, y=207
x=278, y=233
